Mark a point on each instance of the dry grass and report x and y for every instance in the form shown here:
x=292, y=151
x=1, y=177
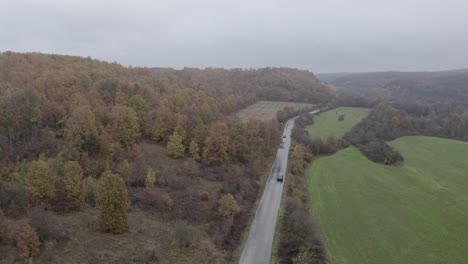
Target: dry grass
x=149, y=240
x=266, y=110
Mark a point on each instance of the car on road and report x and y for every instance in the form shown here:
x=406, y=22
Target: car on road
x=284, y=136
x=280, y=177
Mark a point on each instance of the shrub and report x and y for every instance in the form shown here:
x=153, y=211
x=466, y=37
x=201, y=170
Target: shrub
x=228, y=206
x=341, y=118
x=112, y=201
x=150, y=178
x=90, y=190
x=13, y=200
x=182, y=234
x=27, y=243
x=62, y=200
x=154, y=198
x=4, y=228
x=46, y=226
x=205, y=196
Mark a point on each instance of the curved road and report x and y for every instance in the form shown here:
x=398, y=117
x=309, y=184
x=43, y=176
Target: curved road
x=257, y=249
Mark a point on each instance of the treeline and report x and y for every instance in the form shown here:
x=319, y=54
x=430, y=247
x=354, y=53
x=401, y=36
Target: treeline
x=388, y=121
x=408, y=87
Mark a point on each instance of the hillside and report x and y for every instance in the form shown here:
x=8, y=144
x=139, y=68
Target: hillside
x=75, y=133
x=443, y=86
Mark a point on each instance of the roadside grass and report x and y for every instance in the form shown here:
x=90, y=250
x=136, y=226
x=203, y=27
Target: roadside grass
x=370, y=213
x=327, y=125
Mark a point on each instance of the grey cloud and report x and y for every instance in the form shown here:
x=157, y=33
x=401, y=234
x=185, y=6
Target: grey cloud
x=322, y=36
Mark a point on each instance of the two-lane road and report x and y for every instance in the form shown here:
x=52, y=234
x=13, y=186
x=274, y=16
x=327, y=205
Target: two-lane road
x=257, y=249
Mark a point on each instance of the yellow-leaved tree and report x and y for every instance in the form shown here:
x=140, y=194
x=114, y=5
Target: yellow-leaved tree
x=112, y=201
x=40, y=183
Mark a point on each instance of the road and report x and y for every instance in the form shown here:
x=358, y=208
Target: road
x=257, y=249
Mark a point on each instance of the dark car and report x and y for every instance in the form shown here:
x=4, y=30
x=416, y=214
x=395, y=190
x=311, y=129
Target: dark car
x=284, y=136
x=280, y=177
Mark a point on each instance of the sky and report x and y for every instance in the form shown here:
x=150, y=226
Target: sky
x=320, y=36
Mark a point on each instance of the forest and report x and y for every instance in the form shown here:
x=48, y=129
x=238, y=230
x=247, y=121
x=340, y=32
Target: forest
x=408, y=87
x=87, y=137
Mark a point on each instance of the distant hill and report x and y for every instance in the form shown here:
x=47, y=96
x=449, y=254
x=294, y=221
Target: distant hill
x=441, y=86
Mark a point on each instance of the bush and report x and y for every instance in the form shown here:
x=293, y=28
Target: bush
x=90, y=190
x=182, y=234
x=341, y=117
x=205, y=196
x=228, y=206
x=112, y=201
x=379, y=151
x=27, y=243
x=62, y=200
x=154, y=198
x=4, y=228
x=150, y=178
x=13, y=200
x=46, y=226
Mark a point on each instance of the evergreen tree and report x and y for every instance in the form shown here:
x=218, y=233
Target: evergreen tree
x=112, y=201
x=40, y=183
x=80, y=128
x=150, y=178
x=175, y=147
x=194, y=150
x=27, y=243
x=124, y=124
x=74, y=185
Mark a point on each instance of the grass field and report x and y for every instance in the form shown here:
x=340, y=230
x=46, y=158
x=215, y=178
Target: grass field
x=266, y=110
x=326, y=124
x=370, y=213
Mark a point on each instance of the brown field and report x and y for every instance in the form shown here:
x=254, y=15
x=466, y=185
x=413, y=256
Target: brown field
x=266, y=110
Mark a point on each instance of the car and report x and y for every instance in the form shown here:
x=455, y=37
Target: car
x=280, y=177
x=284, y=136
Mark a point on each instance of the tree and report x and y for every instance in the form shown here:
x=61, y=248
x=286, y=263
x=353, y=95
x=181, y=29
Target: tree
x=199, y=133
x=112, y=201
x=175, y=147
x=124, y=125
x=74, y=185
x=150, y=178
x=40, y=183
x=27, y=243
x=194, y=150
x=80, y=128
x=217, y=143
x=228, y=206
x=140, y=106
x=158, y=130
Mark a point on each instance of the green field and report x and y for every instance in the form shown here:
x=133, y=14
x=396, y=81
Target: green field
x=326, y=124
x=370, y=213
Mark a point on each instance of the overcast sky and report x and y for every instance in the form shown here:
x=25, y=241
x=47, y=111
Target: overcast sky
x=321, y=36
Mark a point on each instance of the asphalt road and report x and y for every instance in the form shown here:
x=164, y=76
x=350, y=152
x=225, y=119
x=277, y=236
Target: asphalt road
x=257, y=249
